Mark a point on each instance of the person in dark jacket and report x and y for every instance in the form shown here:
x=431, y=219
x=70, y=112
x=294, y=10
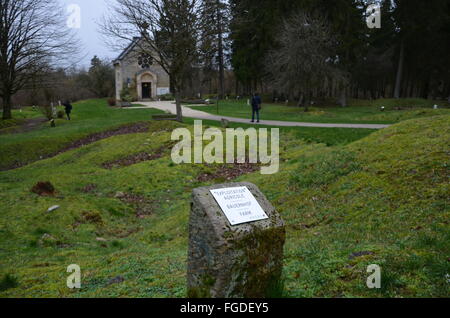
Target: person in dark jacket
x=68, y=108
x=256, y=107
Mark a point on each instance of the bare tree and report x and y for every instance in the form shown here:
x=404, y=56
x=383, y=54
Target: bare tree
x=169, y=30
x=304, y=57
x=33, y=34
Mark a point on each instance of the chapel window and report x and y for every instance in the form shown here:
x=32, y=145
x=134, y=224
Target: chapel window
x=145, y=60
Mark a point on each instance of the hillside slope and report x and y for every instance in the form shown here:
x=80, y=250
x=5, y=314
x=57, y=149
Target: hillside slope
x=381, y=200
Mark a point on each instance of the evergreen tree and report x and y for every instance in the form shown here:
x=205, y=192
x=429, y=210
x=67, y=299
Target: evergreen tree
x=214, y=24
x=100, y=78
x=422, y=42
x=252, y=31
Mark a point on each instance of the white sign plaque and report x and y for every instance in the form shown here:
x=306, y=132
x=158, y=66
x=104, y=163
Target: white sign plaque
x=162, y=91
x=239, y=205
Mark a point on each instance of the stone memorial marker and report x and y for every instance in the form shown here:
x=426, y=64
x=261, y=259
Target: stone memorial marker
x=236, y=243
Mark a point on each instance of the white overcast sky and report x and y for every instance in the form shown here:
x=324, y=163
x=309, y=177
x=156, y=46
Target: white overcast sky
x=91, y=13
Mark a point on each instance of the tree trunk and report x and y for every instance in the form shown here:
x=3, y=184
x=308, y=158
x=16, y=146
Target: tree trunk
x=178, y=105
x=343, y=98
x=431, y=86
x=220, y=52
x=307, y=101
x=7, y=107
x=398, y=81
x=300, y=101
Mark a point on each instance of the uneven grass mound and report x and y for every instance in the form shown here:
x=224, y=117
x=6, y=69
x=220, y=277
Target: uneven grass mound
x=381, y=200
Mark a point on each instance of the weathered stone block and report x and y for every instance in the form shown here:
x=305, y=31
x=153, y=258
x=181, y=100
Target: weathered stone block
x=228, y=261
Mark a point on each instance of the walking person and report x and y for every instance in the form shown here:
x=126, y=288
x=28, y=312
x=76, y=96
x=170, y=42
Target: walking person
x=256, y=107
x=68, y=108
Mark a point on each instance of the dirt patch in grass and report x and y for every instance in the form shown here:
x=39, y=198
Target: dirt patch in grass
x=92, y=217
x=140, y=127
x=135, y=128
x=88, y=217
x=138, y=158
x=43, y=189
x=360, y=254
x=143, y=206
x=115, y=280
x=89, y=188
x=229, y=171
x=22, y=125
x=132, y=160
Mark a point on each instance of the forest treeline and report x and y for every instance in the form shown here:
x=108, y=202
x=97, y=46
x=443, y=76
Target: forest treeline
x=73, y=83
x=296, y=50
x=409, y=56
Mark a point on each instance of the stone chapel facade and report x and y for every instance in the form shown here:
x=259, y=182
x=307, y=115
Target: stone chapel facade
x=140, y=71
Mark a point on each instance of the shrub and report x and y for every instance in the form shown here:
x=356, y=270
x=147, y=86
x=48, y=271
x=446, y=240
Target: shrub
x=126, y=95
x=8, y=281
x=47, y=111
x=167, y=97
x=60, y=114
x=111, y=101
x=127, y=98
x=125, y=91
x=132, y=92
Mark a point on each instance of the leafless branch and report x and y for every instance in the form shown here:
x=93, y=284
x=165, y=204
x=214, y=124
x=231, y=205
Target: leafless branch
x=33, y=35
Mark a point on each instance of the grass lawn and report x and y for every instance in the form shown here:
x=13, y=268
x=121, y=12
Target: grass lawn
x=363, y=199
x=327, y=136
x=19, y=117
x=88, y=117
x=359, y=111
x=94, y=116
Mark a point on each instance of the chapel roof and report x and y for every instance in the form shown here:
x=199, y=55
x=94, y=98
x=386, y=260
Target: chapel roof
x=127, y=50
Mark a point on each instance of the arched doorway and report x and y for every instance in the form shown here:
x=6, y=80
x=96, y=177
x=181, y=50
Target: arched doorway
x=146, y=85
x=146, y=90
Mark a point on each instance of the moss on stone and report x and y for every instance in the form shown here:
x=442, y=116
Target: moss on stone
x=204, y=289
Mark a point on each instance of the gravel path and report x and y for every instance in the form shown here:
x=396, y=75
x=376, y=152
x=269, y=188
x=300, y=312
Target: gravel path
x=188, y=112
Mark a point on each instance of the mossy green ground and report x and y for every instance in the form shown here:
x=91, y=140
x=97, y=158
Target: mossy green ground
x=386, y=194
x=93, y=116
x=358, y=111
x=19, y=117
x=88, y=117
